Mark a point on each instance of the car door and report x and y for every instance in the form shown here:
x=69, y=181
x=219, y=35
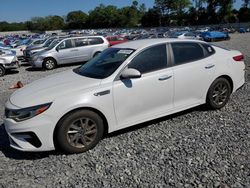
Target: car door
x=96, y=44
x=148, y=97
x=66, y=52
x=81, y=49
x=193, y=69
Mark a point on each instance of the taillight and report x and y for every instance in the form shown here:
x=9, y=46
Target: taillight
x=238, y=57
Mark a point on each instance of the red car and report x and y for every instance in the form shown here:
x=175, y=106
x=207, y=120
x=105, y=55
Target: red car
x=113, y=40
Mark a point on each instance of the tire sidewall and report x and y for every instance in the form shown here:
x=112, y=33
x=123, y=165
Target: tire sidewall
x=49, y=59
x=209, y=100
x=2, y=72
x=61, y=134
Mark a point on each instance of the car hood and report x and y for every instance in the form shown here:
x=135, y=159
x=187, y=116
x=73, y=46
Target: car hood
x=47, y=89
x=40, y=53
x=34, y=47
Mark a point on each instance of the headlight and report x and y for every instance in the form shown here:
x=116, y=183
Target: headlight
x=26, y=113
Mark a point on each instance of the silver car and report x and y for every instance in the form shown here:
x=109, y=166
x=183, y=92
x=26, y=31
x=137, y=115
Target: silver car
x=69, y=50
x=8, y=60
x=32, y=49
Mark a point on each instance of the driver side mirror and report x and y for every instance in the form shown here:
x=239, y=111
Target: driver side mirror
x=57, y=49
x=130, y=73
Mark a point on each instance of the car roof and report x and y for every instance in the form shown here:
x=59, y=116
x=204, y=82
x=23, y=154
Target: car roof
x=89, y=36
x=137, y=44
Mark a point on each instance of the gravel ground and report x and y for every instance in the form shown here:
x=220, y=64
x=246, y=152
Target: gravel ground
x=195, y=148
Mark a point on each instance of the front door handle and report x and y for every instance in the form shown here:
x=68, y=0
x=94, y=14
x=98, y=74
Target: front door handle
x=73, y=50
x=209, y=66
x=166, y=77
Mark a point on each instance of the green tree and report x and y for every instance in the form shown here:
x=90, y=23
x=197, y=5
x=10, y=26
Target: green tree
x=55, y=22
x=151, y=18
x=104, y=17
x=172, y=10
x=244, y=14
x=39, y=24
x=76, y=19
x=212, y=6
x=225, y=11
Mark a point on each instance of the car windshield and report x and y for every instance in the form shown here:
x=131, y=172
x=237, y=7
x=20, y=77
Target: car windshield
x=53, y=44
x=28, y=42
x=105, y=63
x=49, y=42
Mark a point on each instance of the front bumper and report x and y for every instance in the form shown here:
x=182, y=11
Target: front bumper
x=12, y=65
x=36, y=64
x=34, y=135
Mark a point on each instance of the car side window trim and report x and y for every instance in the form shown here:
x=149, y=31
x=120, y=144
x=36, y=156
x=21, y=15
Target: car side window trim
x=207, y=54
x=173, y=58
x=72, y=44
x=168, y=65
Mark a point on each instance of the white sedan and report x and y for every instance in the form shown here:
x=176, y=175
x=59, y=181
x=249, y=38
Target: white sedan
x=125, y=85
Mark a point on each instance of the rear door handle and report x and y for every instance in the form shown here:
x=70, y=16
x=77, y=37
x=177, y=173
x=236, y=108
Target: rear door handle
x=166, y=77
x=209, y=66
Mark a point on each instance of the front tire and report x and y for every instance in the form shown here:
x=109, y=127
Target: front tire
x=218, y=93
x=79, y=131
x=49, y=64
x=2, y=71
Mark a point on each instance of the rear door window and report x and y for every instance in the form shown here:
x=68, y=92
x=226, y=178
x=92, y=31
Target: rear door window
x=185, y=52
x=209, y=49
x=80, y=42
x=151, y=59
x=96, y=40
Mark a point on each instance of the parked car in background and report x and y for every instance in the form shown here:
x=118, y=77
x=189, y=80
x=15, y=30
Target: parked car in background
x=126, y=84
x=113, y=40
x=242, y=30
x=69, y=50
x=32, y=49
x=185, y=35
x=8, y=60
x=211, y=36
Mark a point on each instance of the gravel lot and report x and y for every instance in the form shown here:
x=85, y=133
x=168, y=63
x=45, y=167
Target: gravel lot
x=195, y=148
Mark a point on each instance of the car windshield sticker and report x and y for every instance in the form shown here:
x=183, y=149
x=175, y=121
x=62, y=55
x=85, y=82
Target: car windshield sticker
x=127, y=52
x=210, y=49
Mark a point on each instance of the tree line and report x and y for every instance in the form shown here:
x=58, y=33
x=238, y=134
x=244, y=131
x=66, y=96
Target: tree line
x=164, y=13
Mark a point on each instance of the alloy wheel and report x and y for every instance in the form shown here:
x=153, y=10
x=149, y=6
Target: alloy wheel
x=220, y=93
x=49, y=64
x=82, y=132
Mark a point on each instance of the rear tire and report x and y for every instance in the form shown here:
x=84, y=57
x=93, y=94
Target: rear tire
x=2, y=71
x=49, y=64
x=218, y=94
x=79, y=131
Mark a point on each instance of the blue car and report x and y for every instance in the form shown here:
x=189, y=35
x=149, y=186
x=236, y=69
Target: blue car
x=242, y=30
x=210, y=36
